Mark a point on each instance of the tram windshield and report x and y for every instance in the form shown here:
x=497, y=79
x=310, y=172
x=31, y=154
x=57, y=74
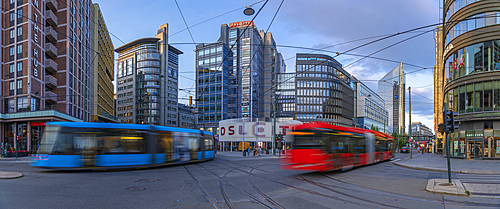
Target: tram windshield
x=48, y=139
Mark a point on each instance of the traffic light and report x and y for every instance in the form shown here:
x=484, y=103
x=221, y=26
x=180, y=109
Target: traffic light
x=450, y=123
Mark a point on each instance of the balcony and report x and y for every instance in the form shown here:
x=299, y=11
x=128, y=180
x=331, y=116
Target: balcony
x=51, y=18
x=51, y=34
x=52, y=4
x=51, y=50
x=50, y=81
x=51, y=66
x=50, y=96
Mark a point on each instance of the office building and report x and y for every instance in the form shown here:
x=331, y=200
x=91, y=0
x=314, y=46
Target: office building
x=102, y=70
x=324, y=90
x=285, y=96
x=391, y=89
x=236, y=81
x=472, y=77
x=187, y=118
x=419, y=129
x=147, y=81
x=370, y=109
x=45, y=67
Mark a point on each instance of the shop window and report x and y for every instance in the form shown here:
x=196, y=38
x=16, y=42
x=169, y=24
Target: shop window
x=496, y=97
x=478, y=97
x=488, y=96
x=469, y=102
x=478, y=57
x=461, y=99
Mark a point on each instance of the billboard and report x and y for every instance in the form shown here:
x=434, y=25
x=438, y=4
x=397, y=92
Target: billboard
x=236, y=130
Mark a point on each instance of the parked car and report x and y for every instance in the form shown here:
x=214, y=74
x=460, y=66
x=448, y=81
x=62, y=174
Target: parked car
x=404, y=149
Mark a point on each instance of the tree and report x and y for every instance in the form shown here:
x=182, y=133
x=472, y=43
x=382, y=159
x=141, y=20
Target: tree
x=372, y=128
x=376, y=129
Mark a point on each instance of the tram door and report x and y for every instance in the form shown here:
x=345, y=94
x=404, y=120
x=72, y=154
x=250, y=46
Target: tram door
x=87, y=146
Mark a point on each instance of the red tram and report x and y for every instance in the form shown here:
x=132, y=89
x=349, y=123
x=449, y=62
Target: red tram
x=323, y=147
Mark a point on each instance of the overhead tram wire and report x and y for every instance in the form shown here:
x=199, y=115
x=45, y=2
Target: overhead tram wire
x=190, y=34
x=212, y=18
x=389, y=47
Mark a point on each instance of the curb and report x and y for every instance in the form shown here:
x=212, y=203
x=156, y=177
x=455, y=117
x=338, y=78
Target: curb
x=469, y=171
x=457, y=188
x=10, y=175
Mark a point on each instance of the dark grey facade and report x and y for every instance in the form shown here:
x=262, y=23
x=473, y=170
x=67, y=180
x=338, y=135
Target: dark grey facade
x=324, y=90
x=285, y=96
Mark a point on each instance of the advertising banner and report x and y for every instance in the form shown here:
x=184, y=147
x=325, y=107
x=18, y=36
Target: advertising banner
x=234, y=130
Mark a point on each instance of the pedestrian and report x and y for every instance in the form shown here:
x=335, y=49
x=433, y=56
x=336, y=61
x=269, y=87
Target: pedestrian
x=422, y=150
x=476, y=151
x=418, y=149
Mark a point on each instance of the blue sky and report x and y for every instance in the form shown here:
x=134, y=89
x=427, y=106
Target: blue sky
x=312, y=24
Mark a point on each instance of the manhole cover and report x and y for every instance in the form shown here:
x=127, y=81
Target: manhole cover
x=136, y=188
x=148, y=180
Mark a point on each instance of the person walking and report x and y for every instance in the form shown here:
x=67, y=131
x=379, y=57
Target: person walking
x=476, y=151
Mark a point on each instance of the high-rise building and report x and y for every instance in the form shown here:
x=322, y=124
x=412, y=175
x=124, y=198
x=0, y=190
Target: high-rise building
x=438, y=85
x=392, y=90
x=370, y=109
x=45, y=67
x=324, y=90
x=472, y=77
x=102, y=70
x=147, y=81
x=238, y=81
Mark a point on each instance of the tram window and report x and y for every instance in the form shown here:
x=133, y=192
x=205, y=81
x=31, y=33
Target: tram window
x=380, y=145
x=360, y=145
x=123, y=141
x=209, y=142
x=63, y=144
x=48, y=139
x=350, y=143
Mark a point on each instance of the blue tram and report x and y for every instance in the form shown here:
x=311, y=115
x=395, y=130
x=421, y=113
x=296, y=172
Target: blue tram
x=80, y=145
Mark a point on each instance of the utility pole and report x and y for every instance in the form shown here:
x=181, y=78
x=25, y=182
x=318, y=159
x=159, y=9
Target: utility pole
x=443, y=41
x=274, y=126
x=411, y=139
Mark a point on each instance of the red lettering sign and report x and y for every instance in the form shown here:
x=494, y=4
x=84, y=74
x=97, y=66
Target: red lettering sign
x=37, y=123
x=231, y=130
x=222, y=131
x=241, y=131
x=284, y=128
x=259, y=129
x=240, y=24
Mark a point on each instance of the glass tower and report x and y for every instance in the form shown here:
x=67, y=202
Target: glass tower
x=392, y=90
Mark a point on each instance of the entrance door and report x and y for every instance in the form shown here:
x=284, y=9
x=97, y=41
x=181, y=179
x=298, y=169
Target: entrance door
x=478, y=150
x=470, y=150
x=475, y=149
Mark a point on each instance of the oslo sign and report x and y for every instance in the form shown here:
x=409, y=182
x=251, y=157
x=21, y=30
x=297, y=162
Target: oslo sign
x=234, y=130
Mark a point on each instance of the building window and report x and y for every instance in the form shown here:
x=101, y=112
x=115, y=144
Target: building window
x=20, y=31
x=20, y=13
x=12, y=51
x=19, y=49
x=11, y=70
x=12, y=34
x=12, y=16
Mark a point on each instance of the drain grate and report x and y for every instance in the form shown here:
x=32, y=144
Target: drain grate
x=148, y=180
x=136, y=188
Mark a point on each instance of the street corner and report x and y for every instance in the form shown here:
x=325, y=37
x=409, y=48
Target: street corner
x=10, y=175
x=443, y=186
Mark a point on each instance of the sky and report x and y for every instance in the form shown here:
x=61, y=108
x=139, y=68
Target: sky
x=330, y=25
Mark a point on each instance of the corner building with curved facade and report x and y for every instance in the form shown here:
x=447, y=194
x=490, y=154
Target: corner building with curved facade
x=472, y=77
x=324, y=90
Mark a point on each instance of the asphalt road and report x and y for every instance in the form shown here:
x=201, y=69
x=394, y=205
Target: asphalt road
x=231, y=183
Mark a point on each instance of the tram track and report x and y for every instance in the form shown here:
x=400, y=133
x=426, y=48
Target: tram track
x=223, y=178
x=384, y=193
x=214, y=202
x=262, y=193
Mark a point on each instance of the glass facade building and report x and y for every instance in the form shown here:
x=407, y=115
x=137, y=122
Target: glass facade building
x=147, y=81
x=392, y=90
x=235, y=75
x=370, y=109
x=285, y=96
x=324, y=90
x=472, y=77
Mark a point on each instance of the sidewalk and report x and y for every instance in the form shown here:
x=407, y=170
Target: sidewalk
x=437, y=162
x=18, y=160
x=239, y=154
